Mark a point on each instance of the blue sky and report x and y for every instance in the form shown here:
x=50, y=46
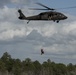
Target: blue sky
x=50, y=3
x=61, y=4
x=22, y=41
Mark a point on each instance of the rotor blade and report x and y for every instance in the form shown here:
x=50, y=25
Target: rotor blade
x=45, y=6
x=37, y=9
x=68, y=7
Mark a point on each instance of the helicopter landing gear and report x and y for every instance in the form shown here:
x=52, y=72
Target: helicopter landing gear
x=57, y=21
x=28, y=21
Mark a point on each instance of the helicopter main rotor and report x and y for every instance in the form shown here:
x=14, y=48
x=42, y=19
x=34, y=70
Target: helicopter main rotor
x=48, y=8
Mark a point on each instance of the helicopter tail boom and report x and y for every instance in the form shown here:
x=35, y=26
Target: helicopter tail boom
x=22, y=16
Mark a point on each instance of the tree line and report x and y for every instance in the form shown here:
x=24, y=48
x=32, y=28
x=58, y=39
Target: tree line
x=28, y=67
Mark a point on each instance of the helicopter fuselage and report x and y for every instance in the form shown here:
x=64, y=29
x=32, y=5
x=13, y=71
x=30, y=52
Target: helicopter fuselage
x=51, y=15
x=48, y=16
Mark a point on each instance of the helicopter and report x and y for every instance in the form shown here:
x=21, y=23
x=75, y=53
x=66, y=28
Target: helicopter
x=44, y=16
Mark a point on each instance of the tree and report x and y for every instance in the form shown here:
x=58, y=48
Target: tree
x=2, y=66
x=17, y=67
x=47, y=68
x=61, y=69
x=28, y=65
x=5, y=57
x=70, y=67
x=37, y=67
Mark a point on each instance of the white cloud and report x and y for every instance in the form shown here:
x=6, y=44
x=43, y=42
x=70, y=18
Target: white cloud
x=16, y=36
x=69, y=27
x=16, y=2
x=10, y=34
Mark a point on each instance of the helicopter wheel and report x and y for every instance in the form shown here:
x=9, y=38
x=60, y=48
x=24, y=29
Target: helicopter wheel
x=57, y=21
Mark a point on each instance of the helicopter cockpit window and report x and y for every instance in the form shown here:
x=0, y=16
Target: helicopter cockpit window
x=60, y=14
x=41, y=14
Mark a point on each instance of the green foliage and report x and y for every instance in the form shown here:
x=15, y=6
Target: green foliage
x=6, y=59
x=17, y=67
x=28, y=67
x=2, y=66
x=61, y=69
x=70, y=67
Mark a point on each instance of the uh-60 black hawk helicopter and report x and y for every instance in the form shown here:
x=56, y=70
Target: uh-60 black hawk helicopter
x=45, y=16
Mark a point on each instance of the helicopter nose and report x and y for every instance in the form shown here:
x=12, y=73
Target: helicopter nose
x=65, y=17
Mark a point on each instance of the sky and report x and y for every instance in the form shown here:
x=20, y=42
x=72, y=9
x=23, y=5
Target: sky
x=22, y=40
